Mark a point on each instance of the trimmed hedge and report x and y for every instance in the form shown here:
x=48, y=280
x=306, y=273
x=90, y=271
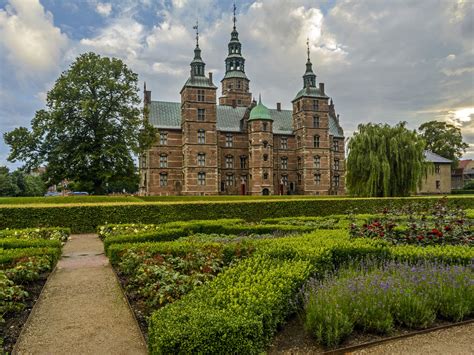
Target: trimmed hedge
x=86, y=218
x=10, y=256
x=15, y=243
x=229, y=314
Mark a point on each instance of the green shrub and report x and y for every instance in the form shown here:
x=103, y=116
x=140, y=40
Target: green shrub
x=238, y=312
x=9, y=257
x=55, y=233
x=86, y=217
x=14, y=243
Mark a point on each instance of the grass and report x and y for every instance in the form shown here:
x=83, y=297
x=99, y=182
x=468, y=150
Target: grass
x=59, y=200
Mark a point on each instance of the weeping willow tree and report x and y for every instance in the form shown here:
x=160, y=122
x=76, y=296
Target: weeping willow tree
x=385, y=161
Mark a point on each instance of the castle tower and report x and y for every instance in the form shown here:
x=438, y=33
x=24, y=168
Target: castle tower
x=311, y=128
x=260, y=128
x=198, y=124
x=235, y=84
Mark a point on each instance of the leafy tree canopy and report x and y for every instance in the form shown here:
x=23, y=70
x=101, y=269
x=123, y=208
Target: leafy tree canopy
x=443, y=139
x=90, y=128
x=18, y=183
x=385, y=161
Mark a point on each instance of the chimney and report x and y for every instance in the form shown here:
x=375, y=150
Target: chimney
x=147, y=97
x=210, y=78
x=321, y=88
x=278, y=106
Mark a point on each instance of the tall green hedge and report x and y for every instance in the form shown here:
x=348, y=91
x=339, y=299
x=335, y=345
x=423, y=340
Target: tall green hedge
x=86, y=217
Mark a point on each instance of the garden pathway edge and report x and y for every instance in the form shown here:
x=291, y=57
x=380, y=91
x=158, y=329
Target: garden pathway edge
x=82, y=309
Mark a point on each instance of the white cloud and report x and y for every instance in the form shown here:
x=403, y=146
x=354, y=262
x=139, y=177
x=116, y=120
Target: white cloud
x=30, y=37
x=104, y=9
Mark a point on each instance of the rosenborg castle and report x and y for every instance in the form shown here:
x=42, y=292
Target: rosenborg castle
x=240, y=146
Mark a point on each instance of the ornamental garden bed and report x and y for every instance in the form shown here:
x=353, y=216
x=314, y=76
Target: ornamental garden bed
x=230, y=286
x=26, y=259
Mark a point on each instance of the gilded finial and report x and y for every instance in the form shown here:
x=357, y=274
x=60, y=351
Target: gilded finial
x=196, y=27
x=307, y=47
x=235, y=19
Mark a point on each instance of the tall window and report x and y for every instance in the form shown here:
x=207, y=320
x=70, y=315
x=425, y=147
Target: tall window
x=201, y=136
x=239, y=83
x=299, y=179
x=229, y=162
x=299, y=163
x=229, y=180
x=265, y=157
x=163, y=138
x=163, y=161
x=315, y=105
x=317, y=162
x=316, y=121
x=298, y=142
x=201, y=114
x=284, y=163
x=284, y=143
x=438, y=184
x=265, y=126
x=336, y=164
x=316, y=141
x=201, y=159
x=336, y=180
x=317, y=179
x=200, y=95
x=163, y=179
x=265, y=144
x=284, y=180
x=229, y=140
x=335, y=144
x=202, y=178
x=243, y=162
x=265, y=176
x=437, y=168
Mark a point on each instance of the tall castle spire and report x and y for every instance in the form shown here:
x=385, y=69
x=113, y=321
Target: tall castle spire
x=197, y=65
x=235, y=62
x=309, y=78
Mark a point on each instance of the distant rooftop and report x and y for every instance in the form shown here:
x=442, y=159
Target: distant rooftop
x=435, y=158
x=167, y=115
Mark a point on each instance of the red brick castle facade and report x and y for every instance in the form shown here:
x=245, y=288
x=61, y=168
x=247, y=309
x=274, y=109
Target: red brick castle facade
x=240, y=146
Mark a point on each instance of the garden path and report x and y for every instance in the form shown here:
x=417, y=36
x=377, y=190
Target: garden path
x=457, y=340
x=82, y=309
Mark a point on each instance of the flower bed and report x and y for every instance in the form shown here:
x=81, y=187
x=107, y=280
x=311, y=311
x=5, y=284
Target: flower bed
x=440, y=225
x=26, y=258
x=377, y=300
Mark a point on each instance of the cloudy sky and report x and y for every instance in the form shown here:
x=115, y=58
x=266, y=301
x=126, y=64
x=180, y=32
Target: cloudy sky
x=381, y=61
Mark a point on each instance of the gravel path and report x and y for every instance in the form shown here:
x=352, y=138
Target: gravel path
x=82, y=309
x=452, y=341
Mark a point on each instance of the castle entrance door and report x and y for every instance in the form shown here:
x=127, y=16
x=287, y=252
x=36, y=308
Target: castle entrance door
x=265, y=192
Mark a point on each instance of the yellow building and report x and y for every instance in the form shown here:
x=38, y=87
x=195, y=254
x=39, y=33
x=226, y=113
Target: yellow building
x=438, y=180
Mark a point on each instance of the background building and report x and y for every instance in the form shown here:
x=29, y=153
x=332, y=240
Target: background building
x=438, y=180
x=240, y=146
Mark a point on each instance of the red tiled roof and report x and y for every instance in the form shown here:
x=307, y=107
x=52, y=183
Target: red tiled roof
x=463, y=163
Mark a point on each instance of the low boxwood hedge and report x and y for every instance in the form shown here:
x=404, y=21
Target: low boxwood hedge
x=86, y=217
x=10, y=256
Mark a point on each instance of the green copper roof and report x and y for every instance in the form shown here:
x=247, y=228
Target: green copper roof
x=235, y=74
x=260, y=112
x=200, y=82
x=167, y=115
x=310, y=92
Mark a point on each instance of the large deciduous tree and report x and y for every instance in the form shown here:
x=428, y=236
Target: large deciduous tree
x=385, y=161
x=443, y=139
x=90, y=128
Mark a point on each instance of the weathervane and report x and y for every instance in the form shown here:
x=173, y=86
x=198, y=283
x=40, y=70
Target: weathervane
x=196, y=27
x=307, y=45
x=235, y=20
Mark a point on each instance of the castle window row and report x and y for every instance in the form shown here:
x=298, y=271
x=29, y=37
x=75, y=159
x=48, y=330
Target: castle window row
x=201, y=136
x=163, y=138
x=201, y=114
x=229, y=140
